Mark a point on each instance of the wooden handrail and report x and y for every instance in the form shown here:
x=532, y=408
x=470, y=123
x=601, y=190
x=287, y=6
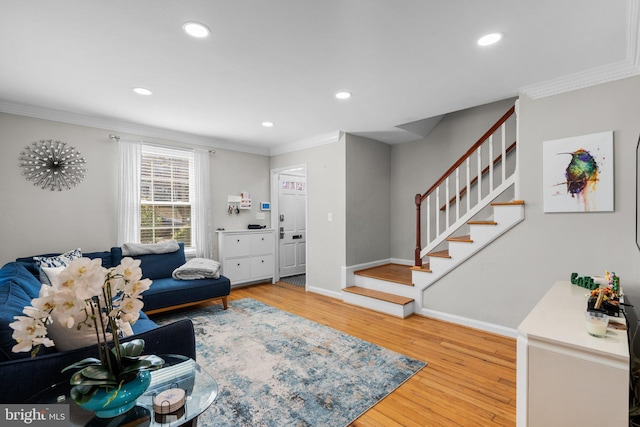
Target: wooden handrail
x=463, y=190
x=469, y=152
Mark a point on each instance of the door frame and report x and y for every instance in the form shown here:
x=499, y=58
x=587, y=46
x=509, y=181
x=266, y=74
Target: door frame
x=275, y=211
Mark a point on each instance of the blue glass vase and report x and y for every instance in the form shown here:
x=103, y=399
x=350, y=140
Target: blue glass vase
x=105, y=405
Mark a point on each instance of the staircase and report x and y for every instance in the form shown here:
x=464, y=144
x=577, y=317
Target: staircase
x=456, y=229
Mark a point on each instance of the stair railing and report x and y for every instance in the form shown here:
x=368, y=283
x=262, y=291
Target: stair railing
x=440, y=225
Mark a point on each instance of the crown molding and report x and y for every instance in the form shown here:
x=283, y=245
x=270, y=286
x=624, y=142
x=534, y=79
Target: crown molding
x=628, y=67
x=327, y=138
x=124, y=127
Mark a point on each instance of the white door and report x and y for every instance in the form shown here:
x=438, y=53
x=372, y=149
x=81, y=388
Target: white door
x=292, y=227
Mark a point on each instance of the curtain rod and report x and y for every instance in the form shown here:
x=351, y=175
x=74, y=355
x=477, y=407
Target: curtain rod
x=116, y=138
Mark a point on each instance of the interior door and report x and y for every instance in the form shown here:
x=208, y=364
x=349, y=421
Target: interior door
x=292, y=227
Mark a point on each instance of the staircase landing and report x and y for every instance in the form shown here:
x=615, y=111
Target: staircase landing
x=396, y=273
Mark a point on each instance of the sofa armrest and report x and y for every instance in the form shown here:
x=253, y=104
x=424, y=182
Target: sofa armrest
x=33, y=375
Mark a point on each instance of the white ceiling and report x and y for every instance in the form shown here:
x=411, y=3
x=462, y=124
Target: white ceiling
x=283, y=61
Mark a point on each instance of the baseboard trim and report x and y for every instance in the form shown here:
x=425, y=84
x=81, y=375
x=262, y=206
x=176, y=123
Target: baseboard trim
x=321, y=291
x=476, y=324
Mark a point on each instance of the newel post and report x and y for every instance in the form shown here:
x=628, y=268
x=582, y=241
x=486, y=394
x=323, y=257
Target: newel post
x=418, y=258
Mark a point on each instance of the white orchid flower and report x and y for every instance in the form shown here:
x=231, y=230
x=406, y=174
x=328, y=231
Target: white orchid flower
x=28, y=332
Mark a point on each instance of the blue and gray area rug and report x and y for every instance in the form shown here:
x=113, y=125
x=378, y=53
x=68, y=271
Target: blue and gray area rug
x=274, y=368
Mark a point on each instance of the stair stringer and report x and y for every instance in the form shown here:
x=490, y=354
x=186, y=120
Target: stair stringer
x=505, y=217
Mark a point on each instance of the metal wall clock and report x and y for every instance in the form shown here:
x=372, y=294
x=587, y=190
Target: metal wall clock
x=52, y=165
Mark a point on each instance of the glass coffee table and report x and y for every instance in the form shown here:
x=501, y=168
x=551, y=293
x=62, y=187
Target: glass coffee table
x=178, y=372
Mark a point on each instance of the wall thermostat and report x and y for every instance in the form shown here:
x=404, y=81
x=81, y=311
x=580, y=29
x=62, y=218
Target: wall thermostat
x=265, y=206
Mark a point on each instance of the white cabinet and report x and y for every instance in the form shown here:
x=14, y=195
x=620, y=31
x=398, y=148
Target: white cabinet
x=247, y=255
x=565, y=377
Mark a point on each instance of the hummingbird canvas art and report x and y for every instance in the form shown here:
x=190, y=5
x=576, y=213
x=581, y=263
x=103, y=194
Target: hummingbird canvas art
x=578, y=173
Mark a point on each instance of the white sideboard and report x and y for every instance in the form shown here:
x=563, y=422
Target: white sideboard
x=247, y=255
x=566, y=377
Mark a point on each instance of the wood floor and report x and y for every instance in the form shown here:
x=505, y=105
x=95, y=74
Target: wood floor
x=470, y=377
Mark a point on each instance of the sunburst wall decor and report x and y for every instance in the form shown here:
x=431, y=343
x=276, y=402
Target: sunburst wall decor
x=53, y=165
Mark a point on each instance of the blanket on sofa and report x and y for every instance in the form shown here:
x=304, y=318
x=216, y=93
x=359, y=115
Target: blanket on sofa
x=197, y=268
x=137, y=249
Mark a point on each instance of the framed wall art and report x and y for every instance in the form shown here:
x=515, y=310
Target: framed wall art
x=578, y=173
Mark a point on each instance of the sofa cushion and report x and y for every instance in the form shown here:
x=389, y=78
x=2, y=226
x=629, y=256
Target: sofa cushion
x=16, y=293
x=168, y=292
x=155, y=266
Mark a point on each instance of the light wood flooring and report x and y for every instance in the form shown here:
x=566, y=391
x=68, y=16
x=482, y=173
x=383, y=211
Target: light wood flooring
x=470, y=377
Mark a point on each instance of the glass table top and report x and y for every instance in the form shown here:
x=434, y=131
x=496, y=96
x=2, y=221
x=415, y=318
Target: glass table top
x=178, y=372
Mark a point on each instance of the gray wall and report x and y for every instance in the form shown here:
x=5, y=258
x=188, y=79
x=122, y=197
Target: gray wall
x=415, y=166
x=503, y=283
x=325, y=194
x=233, y=172
x=367, y=200
x=36, y=221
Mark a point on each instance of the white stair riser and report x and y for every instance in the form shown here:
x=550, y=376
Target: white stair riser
x=384, y=286
x=397, y=310
x=508, y=213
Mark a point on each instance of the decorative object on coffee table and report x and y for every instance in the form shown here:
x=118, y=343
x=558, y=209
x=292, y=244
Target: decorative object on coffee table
x=86, y=295
x=53, y=165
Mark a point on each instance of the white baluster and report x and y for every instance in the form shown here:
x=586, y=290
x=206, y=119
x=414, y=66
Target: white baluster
x=490, y=163
x=504, y=151
x=468, y=167
x=446, y=206
x=479, y=174
x=457, y=194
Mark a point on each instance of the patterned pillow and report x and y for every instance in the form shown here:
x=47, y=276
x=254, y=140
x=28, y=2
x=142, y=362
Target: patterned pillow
x=61, y=260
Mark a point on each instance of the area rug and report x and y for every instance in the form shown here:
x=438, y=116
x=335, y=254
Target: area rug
x=299, y=280
x=274, y=368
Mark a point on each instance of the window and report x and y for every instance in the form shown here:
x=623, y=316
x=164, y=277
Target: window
x=166, y=195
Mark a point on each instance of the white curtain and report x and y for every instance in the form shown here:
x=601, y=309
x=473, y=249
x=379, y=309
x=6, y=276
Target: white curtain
x=129, y=153
x=201, y=213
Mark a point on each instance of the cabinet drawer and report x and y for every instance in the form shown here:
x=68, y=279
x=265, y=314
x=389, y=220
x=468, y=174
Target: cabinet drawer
x=262, y=266
x=236, y=245
x=261, y=243
x=237, y=269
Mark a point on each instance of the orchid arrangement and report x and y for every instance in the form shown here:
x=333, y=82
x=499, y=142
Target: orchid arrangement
x=85, y=294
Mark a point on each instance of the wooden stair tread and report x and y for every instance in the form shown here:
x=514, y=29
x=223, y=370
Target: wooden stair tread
x=512, y=202
x=426, y=268
x=396, y=273
x=440, y=254
x=482, y=223
x=383, y=296
x=464, y=239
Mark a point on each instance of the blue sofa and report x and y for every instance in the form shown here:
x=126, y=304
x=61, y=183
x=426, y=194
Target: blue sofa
x=19, y=284
x=166, y=293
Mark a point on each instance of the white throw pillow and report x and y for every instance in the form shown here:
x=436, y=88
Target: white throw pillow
x=72, y=338
x=48, y=275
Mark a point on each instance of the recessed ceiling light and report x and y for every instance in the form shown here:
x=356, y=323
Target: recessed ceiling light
x=142, y=91
x=195, y=29
x=489, y=39
x=343, y=95
x=267, y=124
